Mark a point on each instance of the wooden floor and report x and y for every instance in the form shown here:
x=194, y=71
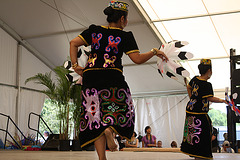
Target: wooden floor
x=91, y=155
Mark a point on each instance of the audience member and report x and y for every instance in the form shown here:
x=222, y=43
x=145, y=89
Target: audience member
x=225, y=136
x=45, y=135
x=133, y=143
x=215, y=147
x=174, y=144
x=121, y=141
x=148, y=140
x=159, y=144
x=226, y=148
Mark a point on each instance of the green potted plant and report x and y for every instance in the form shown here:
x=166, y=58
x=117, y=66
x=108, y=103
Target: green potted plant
x=59, y=93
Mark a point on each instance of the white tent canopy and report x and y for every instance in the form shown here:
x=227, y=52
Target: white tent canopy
x=211, y=28
x=49, y=25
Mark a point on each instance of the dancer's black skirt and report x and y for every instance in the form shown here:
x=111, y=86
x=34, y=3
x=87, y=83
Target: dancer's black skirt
x=106, y=102
x=197, y=136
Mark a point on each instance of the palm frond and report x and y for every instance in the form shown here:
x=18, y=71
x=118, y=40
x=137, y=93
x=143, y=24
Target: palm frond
x=64, y=86
x=61, y=72
x=43, y=79
x=60, y=93
x=50, y=94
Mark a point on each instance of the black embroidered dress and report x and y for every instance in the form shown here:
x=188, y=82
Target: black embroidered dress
x=106, y=96
x=198, y=128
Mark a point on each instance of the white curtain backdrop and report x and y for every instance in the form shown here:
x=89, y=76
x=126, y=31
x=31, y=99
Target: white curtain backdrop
x=165, y=115
x=7, y=107
x=30, y=102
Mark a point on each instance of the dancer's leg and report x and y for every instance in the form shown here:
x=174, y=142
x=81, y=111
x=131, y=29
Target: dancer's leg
x=110, y=142
x=100, y=145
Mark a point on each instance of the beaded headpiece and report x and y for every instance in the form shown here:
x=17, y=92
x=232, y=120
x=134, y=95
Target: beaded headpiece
x=205, y=61
x=119, y=5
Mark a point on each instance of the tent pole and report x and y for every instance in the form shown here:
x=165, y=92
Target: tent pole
x=18, y=78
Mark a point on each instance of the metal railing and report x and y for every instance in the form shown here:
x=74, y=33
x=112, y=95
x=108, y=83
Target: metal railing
x=9, y=119
x=38, y=123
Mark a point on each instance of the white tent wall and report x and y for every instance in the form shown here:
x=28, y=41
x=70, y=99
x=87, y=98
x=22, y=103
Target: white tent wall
x=30, y=66
x=30, y=102
x=8, y=107
x=37, y=24
x=8, y=67
x=8, y=60
x=165, y=115
x=17, y=99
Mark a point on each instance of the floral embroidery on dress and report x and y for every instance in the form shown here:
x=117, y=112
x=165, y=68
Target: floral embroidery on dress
x=113, y=107
x=115, y=104
x=91, y=104
x=192, y=129
x=131, y=113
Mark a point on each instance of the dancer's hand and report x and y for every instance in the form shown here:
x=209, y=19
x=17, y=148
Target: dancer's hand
x=162, y=55
x=224, y=101
x=79, y=70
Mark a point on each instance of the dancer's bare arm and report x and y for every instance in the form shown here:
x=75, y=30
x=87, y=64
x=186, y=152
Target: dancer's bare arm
x=74, y=44
x=138, y=58
x=216, y=100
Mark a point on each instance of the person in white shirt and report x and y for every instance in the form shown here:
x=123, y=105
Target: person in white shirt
x=133, y=142
x=226, y=148
x=45, y=135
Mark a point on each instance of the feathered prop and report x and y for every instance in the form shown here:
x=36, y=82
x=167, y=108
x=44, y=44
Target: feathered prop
x=82, y=56
x=173, y=52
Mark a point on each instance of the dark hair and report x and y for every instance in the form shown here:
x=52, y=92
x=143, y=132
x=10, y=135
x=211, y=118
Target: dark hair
x=135, y=134
x=204, y=68
x=113, y=15
x=46, y=132
x=174, y=144
x=146, y=128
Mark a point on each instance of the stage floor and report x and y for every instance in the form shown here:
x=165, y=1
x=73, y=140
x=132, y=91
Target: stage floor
x=92, y=155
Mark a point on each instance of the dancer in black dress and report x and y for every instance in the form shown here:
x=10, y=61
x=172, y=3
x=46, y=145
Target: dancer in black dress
x=198, y=127
x=107, y=105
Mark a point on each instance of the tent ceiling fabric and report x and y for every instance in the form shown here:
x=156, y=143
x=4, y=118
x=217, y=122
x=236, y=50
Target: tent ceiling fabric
x=38, y=23
x=210, y=27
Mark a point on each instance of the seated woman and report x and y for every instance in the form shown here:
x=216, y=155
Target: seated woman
x=133, y=143
x=148, y=140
